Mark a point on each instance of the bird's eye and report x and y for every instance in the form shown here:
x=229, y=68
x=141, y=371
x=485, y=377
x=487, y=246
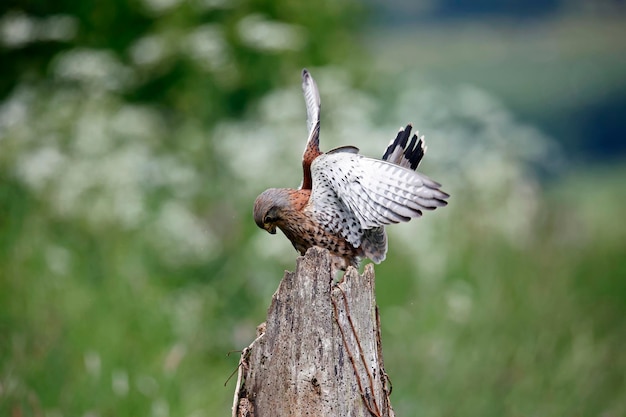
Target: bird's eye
x=271, y=217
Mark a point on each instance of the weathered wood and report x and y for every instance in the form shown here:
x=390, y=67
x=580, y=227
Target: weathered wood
x=320, y=353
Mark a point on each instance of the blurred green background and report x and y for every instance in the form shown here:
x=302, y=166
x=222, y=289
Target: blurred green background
x=135, y=136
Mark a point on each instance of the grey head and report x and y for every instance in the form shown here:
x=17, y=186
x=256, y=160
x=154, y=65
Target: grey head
x=269, y=208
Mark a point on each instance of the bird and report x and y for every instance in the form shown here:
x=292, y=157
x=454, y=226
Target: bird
x=346, y=199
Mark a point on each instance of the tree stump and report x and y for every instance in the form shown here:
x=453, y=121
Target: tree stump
x=319, y=353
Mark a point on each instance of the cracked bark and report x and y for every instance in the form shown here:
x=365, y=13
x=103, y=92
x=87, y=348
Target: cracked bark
x=319, y=353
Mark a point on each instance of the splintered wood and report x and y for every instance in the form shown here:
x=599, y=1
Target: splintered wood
x=320, y=352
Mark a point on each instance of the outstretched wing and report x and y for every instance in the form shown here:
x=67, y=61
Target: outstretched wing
x=375, y=192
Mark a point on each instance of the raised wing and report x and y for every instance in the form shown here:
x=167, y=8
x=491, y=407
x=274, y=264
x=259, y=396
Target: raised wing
x=312, y=148
x=376, y=192
x=313, y=103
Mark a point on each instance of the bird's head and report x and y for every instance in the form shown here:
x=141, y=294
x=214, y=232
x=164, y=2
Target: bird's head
x=268, y=208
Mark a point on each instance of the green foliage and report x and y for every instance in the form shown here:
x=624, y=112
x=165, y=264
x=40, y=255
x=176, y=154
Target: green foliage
x=124, y=281
x=134, y=137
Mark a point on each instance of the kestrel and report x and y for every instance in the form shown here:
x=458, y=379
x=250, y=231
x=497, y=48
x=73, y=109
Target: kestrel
x=345, y=198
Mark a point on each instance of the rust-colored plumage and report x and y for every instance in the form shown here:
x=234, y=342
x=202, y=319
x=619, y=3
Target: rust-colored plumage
x=346, y=199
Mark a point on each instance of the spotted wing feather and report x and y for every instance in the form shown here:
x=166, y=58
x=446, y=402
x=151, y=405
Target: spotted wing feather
x=376, y=192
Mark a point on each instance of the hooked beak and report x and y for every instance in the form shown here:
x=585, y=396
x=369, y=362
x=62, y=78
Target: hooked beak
x=271, y=228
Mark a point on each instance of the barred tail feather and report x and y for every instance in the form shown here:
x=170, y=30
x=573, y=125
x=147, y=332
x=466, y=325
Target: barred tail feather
x=404, y=153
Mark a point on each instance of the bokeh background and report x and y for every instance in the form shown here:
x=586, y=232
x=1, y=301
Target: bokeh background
x=135, y=135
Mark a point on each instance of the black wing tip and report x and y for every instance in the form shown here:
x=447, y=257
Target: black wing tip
x=435, y=203
x=442, y=196
x=439, y=202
